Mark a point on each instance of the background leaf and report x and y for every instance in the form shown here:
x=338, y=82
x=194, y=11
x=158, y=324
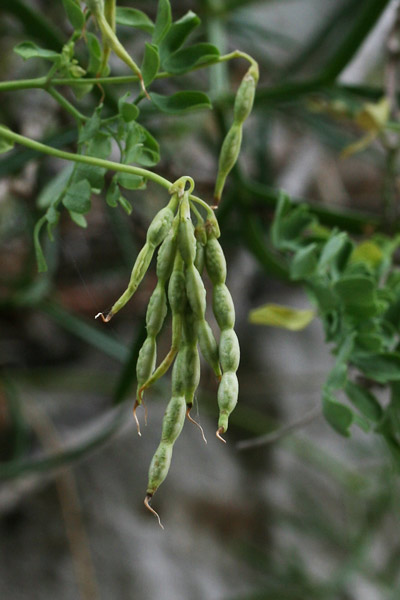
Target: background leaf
x=163, y=21
x=74, y=14
x=77, y=197
x=188, y=58
x=339, y=416
x=134, y=18
x=150, y=64
x=181, y=102
x=29, y=50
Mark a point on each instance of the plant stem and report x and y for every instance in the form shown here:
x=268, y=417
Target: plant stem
x=68, y=107
x=41, y=82
x=97, y=162
x=89, y=160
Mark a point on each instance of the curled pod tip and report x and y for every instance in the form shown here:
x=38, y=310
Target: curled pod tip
x=190, y=418
x=151, y=509
x=218, y=434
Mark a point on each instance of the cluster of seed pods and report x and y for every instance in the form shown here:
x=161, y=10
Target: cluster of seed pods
x=184, y=251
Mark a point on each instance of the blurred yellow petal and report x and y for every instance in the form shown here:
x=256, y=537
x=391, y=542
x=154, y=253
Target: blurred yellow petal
x=374, y=116
x=277, y=315
x=359, y=145
x=367, y=252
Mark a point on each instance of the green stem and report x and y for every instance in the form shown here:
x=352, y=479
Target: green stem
x=97, y=162
x=41, y=82
x=89, y=160
x=68, y=107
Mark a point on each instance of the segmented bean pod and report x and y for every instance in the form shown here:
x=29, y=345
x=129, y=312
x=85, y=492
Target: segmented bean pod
x=156, y=233
x=191, y=359
x=245, y=95
x=155, y=315
x=199, y=259
x=196, y=292
x=229, y=352
x=173, y=421
x=231, y=145
x=177, y=301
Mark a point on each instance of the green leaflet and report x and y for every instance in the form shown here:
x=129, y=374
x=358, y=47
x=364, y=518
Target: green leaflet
x=358, y=296
x=94, y=49
x=304, y=262
x=74, y=13
x=127, y=110
x=29, y=50
x=150, y=63
x=364, y=401
x=181, y=102
x=339, y=416
x=141, y=147
x=383, y=367
x=177, y=34
x=77, y=197
x=163, y=21
x=132, y=17
x=189, y=58
x=114, y=197
x=52, y=190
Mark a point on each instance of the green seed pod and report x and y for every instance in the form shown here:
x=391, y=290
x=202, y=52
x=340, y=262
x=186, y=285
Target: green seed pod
x=229, y=351
x=160, y=226
x=192, y=372
x=245, y=97
x=208, y=346
x=178, y=373
x=200, y=255
x=173, y=419
x=146, y=360
x=140, y=267
x=166, y=257
x=190, y=327
x=212, y=227
x=196, y=292
x=177, y=291
x=227, y=398
x=159, y=467
x=228, y=157
x=223, y=308
x=215, y=261
x=187, y=241
x=156, y=310
x=201, y=233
